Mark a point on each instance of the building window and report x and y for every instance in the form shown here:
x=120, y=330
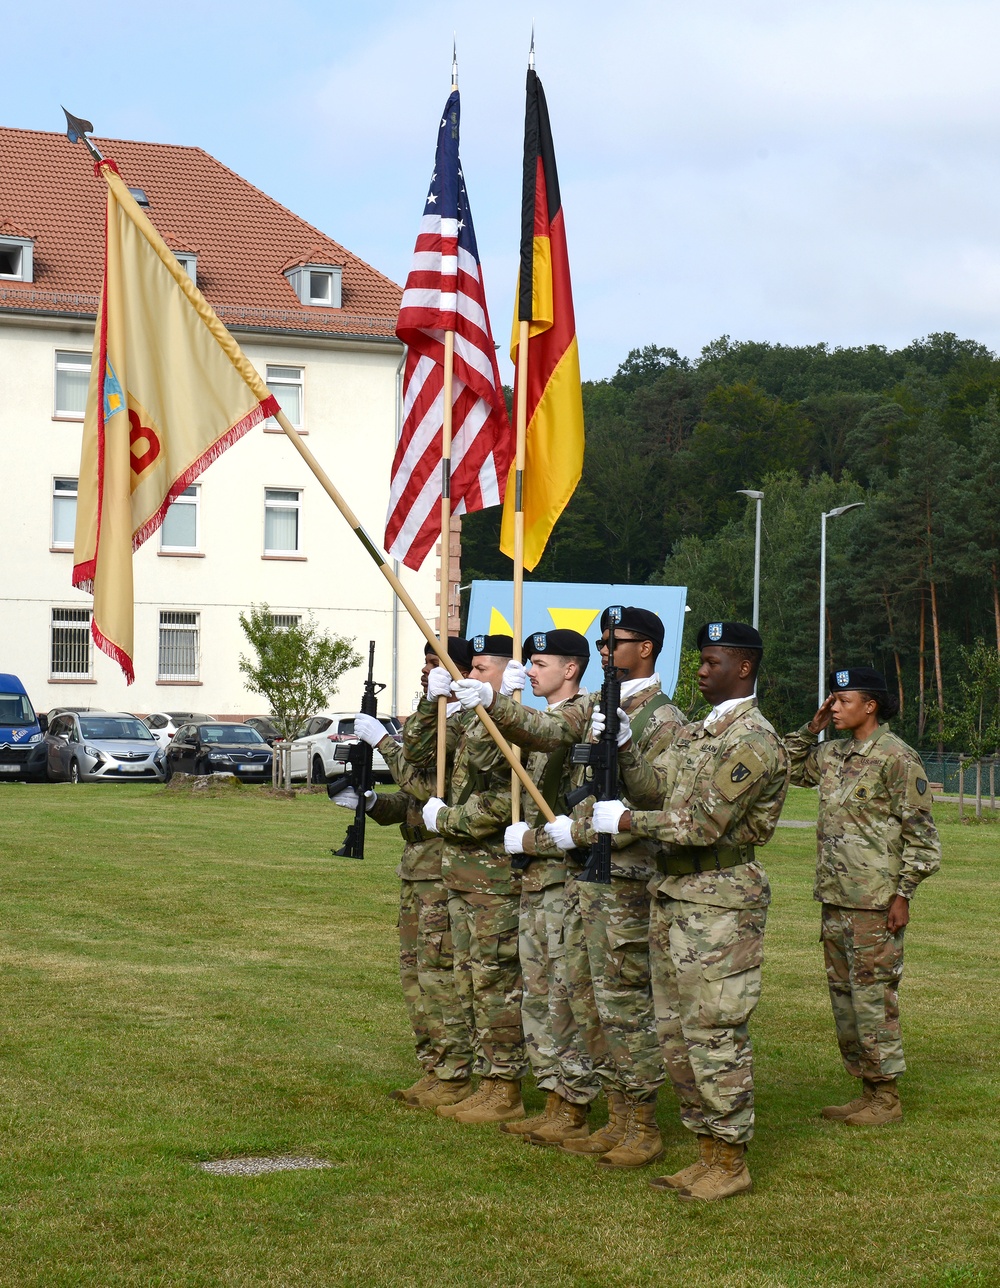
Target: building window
x=72, y=382
x=320, y=285
x=188, y=260
x=281, y=520
x=288, y=386
x=63, y=513
x=70, y=644
x=284, y=621
x=17, y=259
x=178, y=651
x=179, y=531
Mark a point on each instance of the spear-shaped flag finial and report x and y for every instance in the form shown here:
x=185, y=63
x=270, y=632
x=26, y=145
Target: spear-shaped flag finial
x=454, y=60
x=531, y=51
x=77, y=129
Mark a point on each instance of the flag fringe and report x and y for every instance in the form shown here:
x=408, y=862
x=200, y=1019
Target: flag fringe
x=113, y=650
x=255, y=416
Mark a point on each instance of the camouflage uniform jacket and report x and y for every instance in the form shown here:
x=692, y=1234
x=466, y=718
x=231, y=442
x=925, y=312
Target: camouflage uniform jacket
x=721, y=783
x=875, y=836
x=421, y=857
x=548, y=731
x=549, y=865
x=477, y=809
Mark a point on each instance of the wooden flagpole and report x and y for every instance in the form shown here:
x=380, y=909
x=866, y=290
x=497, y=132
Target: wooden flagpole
x=521, y=430
x=442, y=713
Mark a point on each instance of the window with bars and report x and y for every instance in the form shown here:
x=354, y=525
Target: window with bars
x=281, y=520
x=178, y=646
x=63, y=513
x=288, y=386
x=69, y=650
x=72, y=381
x=179, y=530
x=282, y=621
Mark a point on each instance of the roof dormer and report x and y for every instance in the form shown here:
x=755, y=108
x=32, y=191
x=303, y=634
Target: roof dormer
x=317, y=285
x=185, y=254
x=17, y=254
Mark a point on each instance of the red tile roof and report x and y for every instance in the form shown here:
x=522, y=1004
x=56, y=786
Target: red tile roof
x=243, y=237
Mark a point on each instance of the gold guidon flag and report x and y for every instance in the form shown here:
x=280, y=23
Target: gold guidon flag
x=554, y=440
x=169, y=392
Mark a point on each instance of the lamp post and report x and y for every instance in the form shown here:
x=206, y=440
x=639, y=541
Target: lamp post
x=828, y=514
x=758, y=497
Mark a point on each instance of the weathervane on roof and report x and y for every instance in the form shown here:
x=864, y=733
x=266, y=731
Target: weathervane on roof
x=76, y=129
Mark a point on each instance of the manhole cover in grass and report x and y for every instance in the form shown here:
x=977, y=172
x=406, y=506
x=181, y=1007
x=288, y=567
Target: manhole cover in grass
x=258, y=1166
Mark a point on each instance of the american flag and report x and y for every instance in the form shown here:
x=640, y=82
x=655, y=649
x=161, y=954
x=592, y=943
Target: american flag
x=444, y=292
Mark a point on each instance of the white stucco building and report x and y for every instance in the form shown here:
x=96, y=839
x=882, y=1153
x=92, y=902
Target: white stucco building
x=256, y=527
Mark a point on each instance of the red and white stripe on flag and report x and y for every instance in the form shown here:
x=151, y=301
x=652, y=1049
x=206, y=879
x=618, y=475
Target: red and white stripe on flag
x=444, y=292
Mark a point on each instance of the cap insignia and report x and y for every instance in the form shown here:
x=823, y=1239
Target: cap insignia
x=715, y=632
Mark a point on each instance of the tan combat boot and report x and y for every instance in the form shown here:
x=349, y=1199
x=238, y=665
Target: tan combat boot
x=884, y=1107
x=641, y=1143
x=727, y=1176
x=444, y=1094
x=502, y=1103
x=610, y=1135
x=688, y=1175
x=837, y=1113
x=553, y=1103
x=408, y=1095
x=570, y=1123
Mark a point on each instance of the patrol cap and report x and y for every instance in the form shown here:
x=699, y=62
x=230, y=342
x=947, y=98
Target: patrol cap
x=865, y=678
x=562, y=642
x=640, y=621
x=729, y=635
x=459, y=650
x=492, y=645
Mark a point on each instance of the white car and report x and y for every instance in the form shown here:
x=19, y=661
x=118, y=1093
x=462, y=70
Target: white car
x=314, y=742
x=164, y=724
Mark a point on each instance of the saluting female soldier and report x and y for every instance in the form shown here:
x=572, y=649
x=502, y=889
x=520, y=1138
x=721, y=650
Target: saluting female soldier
x=876, y=842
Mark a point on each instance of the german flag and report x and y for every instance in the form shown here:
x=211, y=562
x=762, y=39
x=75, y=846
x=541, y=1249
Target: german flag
x=554, y=442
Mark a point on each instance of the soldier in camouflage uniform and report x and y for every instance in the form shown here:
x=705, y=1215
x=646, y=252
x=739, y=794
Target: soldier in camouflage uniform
x=606, y=928
x=712, y=797
x=556, y=1049
x=441, y=1024
x=876, y=842
x=483, y=891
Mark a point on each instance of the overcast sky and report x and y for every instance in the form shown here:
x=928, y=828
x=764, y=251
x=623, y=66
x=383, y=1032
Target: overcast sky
x=786, y=171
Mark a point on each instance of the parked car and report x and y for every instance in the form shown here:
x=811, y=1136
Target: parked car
x=218, y=747
x=313, y=746
x=266, y=727
x=164, y=724
x=99, y=747
x=21, y=752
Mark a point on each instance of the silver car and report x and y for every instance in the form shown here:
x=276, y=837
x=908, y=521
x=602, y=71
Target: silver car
x=101, y=746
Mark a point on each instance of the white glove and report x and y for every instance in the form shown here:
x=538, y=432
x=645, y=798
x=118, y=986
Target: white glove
x=514, y=677
x=607, y=816
x=370, y=730
x=439, y=683
x=348, y=798
x=430, y=812
x=598, y=724
x=561, y=831
x=513, y=838
x=472, y=692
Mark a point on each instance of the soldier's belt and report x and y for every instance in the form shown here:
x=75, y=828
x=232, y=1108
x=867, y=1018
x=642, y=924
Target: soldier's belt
x=413, y=835
x=683, y=860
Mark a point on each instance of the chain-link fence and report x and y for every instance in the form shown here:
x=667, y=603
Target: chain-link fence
x=946, y=770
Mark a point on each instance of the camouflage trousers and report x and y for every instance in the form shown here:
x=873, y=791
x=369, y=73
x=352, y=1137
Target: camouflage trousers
x=706, y=983
x=488, y=979
x=864, y=965
x=616, y=931
x=558, y=1054
x=426, y=970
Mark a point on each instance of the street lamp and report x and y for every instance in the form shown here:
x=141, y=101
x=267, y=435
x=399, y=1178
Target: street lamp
x=758, y=497
x=828, y=514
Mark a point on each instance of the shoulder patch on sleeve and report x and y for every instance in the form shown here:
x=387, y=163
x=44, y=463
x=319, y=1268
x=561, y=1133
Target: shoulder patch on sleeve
x=739, y=771
x=918, y=791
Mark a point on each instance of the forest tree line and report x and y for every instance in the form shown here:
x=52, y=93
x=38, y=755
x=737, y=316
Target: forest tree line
x=912, y=577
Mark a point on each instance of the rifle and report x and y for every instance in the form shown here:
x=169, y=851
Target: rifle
x=358, y=757
x=602, y=759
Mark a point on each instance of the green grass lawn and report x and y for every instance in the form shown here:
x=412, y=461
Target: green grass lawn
x=188, y=977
